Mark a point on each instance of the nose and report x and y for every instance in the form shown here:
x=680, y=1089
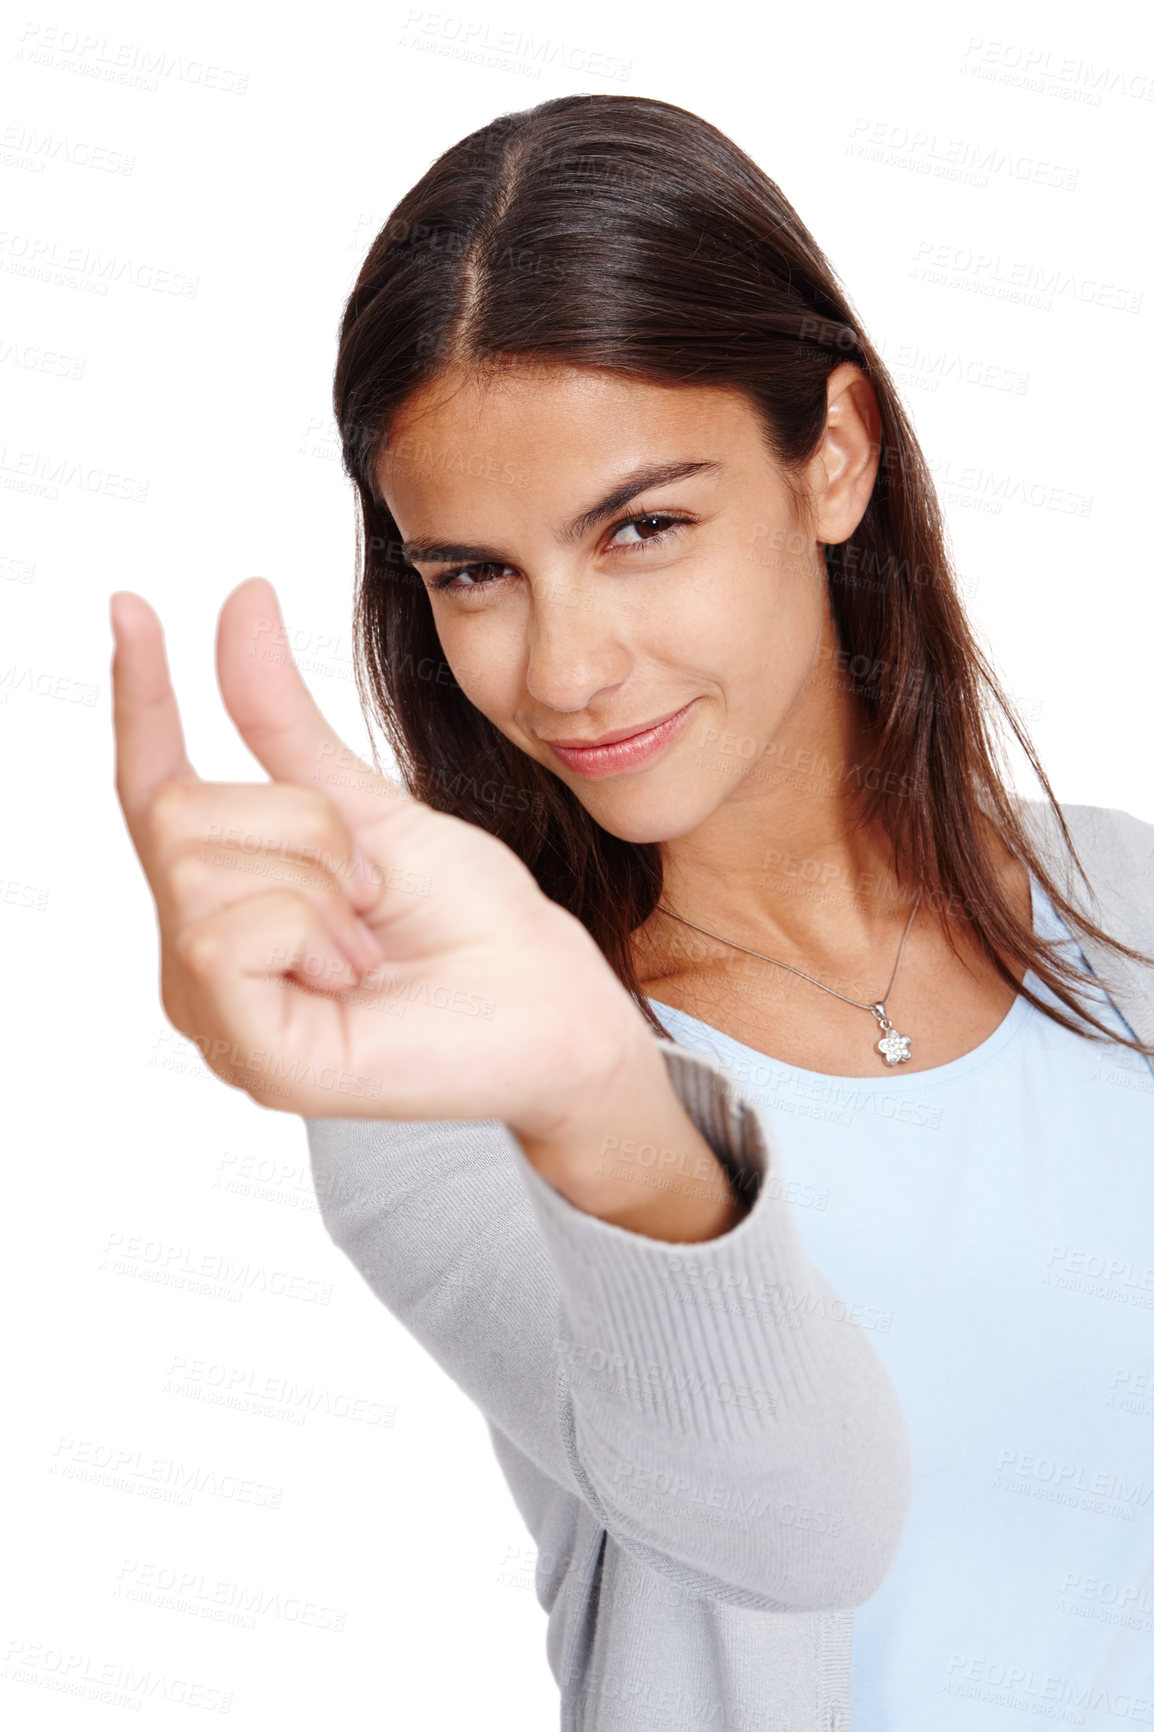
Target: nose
x=575, y=649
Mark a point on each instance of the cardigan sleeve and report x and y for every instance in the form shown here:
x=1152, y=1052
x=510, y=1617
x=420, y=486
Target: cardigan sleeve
x=712, y=1403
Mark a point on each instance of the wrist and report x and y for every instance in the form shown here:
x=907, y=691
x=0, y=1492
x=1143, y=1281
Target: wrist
x=614, y=1069
x=630, y=1154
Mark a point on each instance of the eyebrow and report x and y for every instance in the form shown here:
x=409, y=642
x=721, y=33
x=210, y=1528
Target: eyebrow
x=628, y=487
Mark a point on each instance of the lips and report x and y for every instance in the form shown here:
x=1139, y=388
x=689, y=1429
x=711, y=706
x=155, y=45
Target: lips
x=621, y=751
x=615, y=739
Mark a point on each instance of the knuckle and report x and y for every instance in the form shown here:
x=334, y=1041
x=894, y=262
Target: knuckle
x=313, y=803
x=320, y=825
x=167, y=804
x=199, y=950
x=186, y=875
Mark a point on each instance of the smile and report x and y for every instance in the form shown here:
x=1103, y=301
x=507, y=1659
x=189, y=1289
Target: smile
x=611, y=758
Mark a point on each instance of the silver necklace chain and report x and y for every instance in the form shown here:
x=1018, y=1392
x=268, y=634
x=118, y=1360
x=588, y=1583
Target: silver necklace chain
x=894, y=1047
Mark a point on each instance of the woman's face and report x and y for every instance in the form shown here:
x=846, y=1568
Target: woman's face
x=607, y=558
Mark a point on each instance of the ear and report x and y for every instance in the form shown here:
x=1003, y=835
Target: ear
x=842, y=471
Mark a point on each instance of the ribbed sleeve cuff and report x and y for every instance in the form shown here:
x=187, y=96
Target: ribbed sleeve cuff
x=705, y=1341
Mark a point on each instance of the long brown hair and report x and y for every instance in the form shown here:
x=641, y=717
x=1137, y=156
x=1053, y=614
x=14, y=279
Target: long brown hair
x=623, y=233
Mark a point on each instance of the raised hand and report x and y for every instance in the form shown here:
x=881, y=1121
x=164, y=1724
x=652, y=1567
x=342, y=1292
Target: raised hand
x=335, y=948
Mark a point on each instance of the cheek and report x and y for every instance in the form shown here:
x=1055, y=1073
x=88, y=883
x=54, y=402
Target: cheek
x=487, y=658
x=748, y=623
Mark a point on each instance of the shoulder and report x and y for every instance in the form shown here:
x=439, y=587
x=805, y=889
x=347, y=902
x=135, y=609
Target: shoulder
x=1115, y=849
x=1106, y=833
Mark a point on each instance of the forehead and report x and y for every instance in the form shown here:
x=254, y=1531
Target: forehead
x=569, y=418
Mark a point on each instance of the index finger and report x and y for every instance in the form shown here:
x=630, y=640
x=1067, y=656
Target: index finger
x=276, y=715
x=150, y=745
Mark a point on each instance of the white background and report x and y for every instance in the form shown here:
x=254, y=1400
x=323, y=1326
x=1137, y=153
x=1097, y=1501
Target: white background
x=215, y=405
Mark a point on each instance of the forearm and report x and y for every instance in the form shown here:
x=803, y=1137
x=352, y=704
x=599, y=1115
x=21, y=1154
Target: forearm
x=726, y=1372
x=635, y=1158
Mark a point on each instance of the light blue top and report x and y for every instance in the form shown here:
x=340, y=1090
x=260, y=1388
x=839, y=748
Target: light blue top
x=990, y=1223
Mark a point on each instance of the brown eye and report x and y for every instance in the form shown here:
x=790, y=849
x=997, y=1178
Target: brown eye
x=455, y=580
x=656, y=524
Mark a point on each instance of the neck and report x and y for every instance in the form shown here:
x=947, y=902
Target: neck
x=820, y=889
x=786, y=867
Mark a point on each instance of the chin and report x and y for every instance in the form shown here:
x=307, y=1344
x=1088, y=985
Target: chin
x=642, y=818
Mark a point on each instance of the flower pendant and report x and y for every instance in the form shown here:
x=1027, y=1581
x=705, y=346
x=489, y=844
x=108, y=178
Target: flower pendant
x=894, y=1047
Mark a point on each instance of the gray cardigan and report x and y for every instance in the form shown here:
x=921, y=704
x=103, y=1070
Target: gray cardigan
x=703, y=1445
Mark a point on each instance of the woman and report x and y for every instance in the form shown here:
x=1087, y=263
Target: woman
x=705, y=1054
